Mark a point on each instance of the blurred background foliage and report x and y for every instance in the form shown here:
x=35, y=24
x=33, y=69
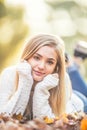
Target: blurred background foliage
x=12, y=32
x=66, y=18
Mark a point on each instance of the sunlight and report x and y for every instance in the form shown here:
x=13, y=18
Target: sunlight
x=35, y=12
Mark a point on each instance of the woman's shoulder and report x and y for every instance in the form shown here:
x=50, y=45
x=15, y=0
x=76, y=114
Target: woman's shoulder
x=9, y=70
x=8, y=76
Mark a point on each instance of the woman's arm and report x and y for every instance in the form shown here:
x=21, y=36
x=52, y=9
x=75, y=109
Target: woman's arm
x=41, y=106
x=7, y=85
x=17, y=103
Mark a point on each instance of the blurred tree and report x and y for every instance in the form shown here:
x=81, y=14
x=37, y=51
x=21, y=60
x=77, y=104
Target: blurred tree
x=12, y=31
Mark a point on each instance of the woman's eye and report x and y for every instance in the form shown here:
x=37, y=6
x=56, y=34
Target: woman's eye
x=36, y=57
x=50, y=62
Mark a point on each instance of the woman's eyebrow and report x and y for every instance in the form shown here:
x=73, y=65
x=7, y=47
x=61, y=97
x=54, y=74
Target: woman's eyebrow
x=49, y=58
x=38, y=54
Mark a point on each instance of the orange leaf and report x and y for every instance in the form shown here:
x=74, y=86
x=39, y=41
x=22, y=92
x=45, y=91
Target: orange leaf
x=84, y=124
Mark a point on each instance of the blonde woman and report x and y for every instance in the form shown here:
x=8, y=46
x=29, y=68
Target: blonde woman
x=35, y=87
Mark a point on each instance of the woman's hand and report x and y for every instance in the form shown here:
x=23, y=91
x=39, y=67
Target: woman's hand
x=16, y=102
x=50, y=81
x=24, y=68
x=41, y=106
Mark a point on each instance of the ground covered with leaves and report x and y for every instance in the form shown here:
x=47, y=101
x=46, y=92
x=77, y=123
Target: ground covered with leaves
x=76, y=121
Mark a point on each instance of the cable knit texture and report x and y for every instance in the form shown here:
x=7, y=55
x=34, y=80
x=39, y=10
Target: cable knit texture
x=41, y=105
x=19, y=100
x=17, y=103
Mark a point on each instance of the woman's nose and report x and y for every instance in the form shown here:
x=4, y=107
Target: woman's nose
x=41, y=65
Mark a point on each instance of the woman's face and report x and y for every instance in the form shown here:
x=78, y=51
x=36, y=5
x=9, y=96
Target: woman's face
x=43, y=62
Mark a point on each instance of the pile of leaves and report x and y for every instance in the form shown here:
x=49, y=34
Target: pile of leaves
x=76, y=121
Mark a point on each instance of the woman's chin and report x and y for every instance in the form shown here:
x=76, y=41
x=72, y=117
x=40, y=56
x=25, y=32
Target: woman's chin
x=37, y=78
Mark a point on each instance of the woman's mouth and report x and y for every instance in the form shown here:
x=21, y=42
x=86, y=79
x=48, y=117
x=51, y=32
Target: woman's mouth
x=38, y=73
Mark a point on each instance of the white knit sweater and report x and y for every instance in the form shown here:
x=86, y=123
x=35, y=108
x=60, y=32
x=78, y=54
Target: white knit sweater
x=41, y=106
x=12, y=101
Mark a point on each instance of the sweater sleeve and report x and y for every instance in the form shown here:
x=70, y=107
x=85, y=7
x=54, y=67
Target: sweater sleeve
x=41, y=106
x=7, y=81
x=17, y=103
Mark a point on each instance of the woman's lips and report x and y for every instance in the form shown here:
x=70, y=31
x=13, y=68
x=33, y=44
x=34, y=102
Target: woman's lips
x=38, y=73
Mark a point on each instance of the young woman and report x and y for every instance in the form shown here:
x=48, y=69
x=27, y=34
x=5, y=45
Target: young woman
x=36, y=86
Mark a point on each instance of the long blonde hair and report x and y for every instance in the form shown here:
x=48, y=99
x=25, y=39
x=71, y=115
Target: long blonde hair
x=57, y=95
